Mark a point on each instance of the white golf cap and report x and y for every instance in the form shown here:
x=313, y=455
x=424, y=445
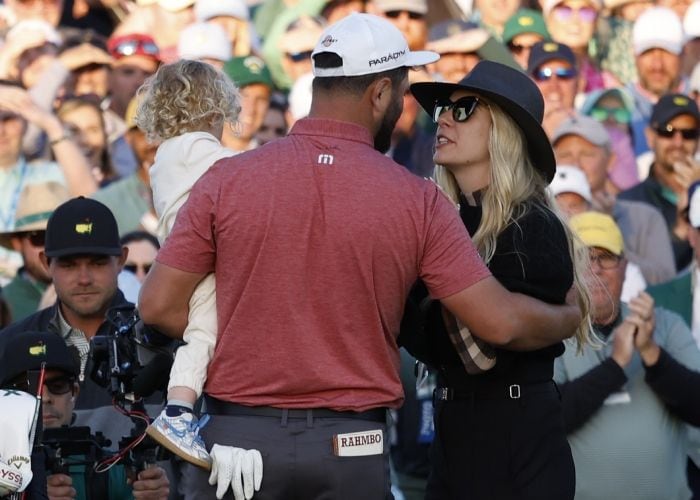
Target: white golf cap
x=367, y=44
x=569, y=179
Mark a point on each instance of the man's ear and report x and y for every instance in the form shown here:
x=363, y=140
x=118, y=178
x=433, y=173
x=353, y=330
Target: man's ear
x=44, y=260
x=123, y=256
x=381, y=92
x=16, y=243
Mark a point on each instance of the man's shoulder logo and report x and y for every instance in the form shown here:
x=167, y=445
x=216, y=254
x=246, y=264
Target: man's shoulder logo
x=328, y=41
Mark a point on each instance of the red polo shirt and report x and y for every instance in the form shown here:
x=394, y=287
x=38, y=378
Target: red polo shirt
x=315, y=240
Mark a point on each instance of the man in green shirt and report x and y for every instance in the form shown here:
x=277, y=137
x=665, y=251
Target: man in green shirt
x=36, y=204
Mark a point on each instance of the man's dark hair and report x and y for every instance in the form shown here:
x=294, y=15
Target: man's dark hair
x=139, y=236
x=351, y=84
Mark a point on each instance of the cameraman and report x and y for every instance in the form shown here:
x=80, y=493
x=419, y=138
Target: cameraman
x=83, y=257
x=59, y=394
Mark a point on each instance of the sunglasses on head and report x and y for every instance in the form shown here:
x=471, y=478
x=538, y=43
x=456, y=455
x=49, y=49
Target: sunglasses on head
x=585, y=14
x=546, y=73
x=134, y=268
x=620, y=115
x=300, y=56
x=132, y=47
x=36, y=238
x=395, y=14
x=462, y=108
x=688, y=134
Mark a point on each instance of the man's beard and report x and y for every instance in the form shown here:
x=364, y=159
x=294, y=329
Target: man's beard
x=382, y=139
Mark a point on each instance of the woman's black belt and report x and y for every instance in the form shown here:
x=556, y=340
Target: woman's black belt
x=493, y=391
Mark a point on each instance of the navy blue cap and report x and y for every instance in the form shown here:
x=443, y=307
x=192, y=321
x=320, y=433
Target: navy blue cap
x=545, y=51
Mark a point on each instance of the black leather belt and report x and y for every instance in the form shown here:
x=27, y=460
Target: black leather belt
x=218, y=407
x=493, y=391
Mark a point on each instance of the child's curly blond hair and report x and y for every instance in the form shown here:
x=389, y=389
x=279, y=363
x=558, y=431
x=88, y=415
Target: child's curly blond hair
x=186, y=96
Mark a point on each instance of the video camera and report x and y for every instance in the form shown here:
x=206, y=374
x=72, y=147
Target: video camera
x=65, y=444
x=132, y=361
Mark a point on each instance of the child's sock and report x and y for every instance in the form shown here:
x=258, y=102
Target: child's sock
x=175, y=408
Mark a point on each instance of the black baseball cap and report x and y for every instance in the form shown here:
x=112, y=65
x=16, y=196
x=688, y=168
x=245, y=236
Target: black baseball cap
x=28, y=350
x=82, y=226
x=670, y=106
x=546, y=51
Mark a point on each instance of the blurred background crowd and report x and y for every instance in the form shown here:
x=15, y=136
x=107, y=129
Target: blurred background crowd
x=620, y=80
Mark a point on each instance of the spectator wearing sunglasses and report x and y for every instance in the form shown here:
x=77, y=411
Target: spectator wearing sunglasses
x=135, y=57
x=36, y=204
x=613, y=108
x=572, y=23
x=494, y=160
x=583, y=142
x=296, y=44
x=59, y=394
x=163, y=20
x=657, y=39
x=553, y=67
x=673, y=135
x=408, y=16
x=143, y=248
x=523, y=30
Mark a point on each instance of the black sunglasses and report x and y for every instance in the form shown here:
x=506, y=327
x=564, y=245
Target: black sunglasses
x=58, y=386
x=394, y=14
x=36, y=238
x=688, y=134
x=518, y=49
x=135, y=267
x=462, y=108
x=300, y=56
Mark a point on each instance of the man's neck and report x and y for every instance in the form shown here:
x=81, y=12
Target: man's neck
x=87, y=325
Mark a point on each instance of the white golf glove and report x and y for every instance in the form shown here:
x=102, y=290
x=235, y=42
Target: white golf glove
x=16, y=417
x=239, y=468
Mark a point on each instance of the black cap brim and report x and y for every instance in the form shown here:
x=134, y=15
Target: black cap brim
x=65, y=252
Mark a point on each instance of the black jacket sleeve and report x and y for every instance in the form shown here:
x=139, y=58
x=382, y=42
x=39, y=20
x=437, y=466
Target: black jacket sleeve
x=676, y=386
x=582, y=397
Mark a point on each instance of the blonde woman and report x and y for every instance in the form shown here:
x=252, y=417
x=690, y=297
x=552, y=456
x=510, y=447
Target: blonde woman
x=498, y=426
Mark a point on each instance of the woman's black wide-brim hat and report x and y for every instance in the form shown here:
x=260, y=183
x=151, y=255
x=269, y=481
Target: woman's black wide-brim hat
x=514, y=92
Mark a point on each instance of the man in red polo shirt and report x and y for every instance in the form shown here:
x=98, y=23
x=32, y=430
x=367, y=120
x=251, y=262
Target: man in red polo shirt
x=315, y=241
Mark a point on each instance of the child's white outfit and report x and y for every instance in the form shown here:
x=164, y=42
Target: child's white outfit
x=179, y=163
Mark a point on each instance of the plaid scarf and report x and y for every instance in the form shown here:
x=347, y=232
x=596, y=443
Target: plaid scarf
x=477, y=356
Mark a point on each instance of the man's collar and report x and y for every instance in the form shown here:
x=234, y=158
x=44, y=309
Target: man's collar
x=332, y=128
x=65, y=328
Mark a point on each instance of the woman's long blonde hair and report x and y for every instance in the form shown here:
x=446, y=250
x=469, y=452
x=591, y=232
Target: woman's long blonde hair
x=515, y=187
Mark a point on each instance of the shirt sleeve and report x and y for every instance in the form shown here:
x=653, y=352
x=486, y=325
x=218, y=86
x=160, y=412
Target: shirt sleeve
x=450, y=261
x=191, y=244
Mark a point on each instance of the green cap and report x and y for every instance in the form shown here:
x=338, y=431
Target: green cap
x=524, y=21
x=248, y=70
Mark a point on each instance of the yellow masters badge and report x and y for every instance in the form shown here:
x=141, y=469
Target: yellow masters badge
x=84, y=228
